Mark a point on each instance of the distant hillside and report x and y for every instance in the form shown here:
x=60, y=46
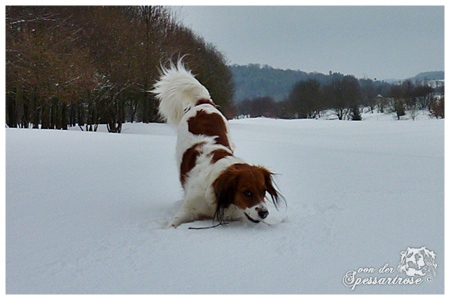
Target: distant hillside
x=436, y=75
x=253, y=80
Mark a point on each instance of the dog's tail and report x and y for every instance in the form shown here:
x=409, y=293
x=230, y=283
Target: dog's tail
x=177, y=90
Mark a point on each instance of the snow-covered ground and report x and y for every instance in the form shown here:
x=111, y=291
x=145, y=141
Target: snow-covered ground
x=86, y=212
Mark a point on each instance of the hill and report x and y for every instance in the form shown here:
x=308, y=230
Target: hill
x=253, y=80
x=435, y=75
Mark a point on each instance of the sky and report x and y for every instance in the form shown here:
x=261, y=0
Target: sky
x=382, y=42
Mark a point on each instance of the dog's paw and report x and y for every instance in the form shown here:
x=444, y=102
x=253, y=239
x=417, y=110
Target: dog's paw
x=175, y=223
x=170, y=225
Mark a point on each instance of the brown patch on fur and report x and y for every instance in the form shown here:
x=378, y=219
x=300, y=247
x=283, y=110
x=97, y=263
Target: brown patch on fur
x=205, y=101
x=211, y=124
x=219, y=154
x=189, y=159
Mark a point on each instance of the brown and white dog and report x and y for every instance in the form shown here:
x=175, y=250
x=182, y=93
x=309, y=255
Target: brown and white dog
x=217, y=184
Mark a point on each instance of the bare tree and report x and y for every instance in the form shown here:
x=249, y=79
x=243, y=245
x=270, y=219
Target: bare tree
x=91, y=65
x=306, y=99
x=397, y=103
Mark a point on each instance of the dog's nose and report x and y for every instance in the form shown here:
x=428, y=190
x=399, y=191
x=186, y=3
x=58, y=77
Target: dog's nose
x=263, y=213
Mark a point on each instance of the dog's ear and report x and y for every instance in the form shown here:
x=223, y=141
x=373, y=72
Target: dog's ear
x=271, y=188
x=225, y=190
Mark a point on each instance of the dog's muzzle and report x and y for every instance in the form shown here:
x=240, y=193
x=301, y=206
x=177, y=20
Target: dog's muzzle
x=256, y=213
x=263, y=213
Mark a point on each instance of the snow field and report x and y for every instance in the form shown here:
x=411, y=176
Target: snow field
x=86, y=212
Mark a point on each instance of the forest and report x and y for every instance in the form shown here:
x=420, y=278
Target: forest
x=85, y=66
x=90, y=65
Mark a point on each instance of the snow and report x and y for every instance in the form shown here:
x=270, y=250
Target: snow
x=87, y=212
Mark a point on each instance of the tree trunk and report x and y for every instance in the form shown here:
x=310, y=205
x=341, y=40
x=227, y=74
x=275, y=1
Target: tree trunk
x=63, y=116
x=36, y=110
x=11, y=110
x=45, y=108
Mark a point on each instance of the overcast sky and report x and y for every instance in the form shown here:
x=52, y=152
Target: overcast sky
x=376, y=42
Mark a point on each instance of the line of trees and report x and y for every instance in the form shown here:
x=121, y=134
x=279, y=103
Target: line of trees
x=86, y=66
x=346, y=96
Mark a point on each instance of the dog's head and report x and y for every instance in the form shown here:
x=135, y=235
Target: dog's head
x=246, y=187
x=417, y=261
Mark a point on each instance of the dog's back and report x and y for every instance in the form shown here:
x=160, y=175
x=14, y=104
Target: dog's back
x=185, y=104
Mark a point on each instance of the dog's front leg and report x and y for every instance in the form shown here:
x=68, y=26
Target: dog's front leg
x=184, y=215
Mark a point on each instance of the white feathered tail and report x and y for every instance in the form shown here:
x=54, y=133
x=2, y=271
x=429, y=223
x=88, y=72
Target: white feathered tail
x=177, y=90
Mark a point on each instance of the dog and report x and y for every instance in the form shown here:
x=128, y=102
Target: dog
x=217, y=185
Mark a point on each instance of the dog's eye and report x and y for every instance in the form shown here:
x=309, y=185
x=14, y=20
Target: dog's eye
x=248, y=194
